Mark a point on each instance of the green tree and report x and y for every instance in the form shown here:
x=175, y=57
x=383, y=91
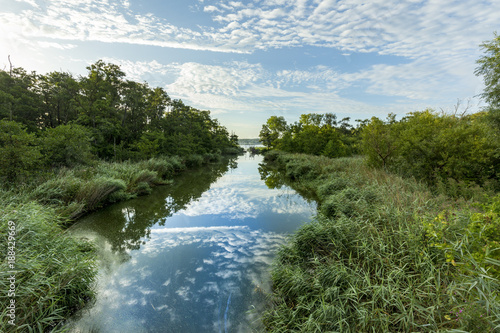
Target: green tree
x=18, y=150
x=489, y=68
x=67, y=145
x=99, y=103
x=272, y=131
x=379, y=141
x=59, y=93
x=21, y=101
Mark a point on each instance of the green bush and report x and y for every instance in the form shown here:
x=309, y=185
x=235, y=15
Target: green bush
x=271, y=156
x=371, y=261
x=332, y=186
x=176, y=163
x=302, y=169
x=162, y=166
x=59, y=190
x=211, y=157
x=193, y=160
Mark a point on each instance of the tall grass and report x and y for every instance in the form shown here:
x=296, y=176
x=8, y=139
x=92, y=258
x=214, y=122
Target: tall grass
x=74, y=192
x=365, y=263
x=54, y=273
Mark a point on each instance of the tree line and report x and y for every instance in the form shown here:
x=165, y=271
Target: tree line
x=56, y=119
x=315, y=134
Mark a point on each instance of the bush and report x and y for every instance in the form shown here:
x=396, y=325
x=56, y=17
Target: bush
x=271, y=156
x=194, y=160
x=161, y=166
x=211, y=157
x=59, y=190
x=332, y=186
x=232, y=150
x=372, y=261
x=301, y=170
x=176, y=163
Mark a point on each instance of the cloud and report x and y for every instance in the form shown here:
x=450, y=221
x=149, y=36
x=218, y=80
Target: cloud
x=211, y=9
x=30, y=2
x=104, y=21
x=251, y=89
x=404, y=28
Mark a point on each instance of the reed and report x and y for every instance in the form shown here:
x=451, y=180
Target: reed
x=54, y=273
x=365, y=263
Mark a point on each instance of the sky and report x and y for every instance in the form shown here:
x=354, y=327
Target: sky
x=251, y=59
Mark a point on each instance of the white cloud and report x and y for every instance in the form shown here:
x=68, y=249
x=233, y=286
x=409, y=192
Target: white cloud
x=211, y=9
x=30, y=2
x=404, y=28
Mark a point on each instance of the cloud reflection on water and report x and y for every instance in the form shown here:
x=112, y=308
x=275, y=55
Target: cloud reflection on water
x=201, y=270
x=216, y=262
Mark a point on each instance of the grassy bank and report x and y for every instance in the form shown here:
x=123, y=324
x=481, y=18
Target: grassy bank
x=383, y=255
x=54, y=273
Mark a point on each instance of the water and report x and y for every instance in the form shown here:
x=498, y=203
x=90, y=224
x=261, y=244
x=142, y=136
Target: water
x=193, y=256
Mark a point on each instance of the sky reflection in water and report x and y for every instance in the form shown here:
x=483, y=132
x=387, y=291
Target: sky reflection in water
x=193, y=257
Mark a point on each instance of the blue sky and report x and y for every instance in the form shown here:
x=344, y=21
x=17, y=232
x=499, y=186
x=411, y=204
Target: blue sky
x=248, y=60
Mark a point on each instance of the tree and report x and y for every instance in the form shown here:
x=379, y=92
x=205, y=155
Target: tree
x=99, y=102
x=58, y=95
x=379, y=141
x=272, y=131
x=489, y=68
x=18, y=150
x=67, y=145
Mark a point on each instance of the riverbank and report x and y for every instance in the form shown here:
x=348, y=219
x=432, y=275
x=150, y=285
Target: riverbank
x=52, y=274
x=384, y=254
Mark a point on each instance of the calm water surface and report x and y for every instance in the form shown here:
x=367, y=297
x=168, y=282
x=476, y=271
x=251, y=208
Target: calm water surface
x=193, y=256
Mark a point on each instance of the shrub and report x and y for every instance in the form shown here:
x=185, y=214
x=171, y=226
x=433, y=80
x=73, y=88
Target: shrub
x=211, y=157
x=332, y=186
x=271, y=156
x=59, y=190
x=177, y=163
x=368, y=263
x=194, y=160
x=301, y=170
x=162, y=166
x=67, y=145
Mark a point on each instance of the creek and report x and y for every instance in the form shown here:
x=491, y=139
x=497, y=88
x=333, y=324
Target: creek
x=193, y=256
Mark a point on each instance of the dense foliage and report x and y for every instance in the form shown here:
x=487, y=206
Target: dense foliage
x=440, y=149
x=57, y=120
x=316, y=134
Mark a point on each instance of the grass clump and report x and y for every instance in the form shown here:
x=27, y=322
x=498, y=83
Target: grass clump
x=378, y=258
x=74, y=192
